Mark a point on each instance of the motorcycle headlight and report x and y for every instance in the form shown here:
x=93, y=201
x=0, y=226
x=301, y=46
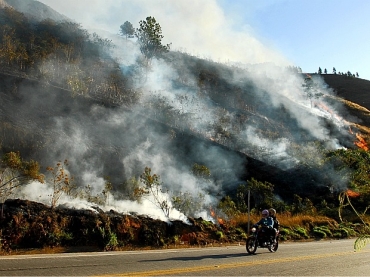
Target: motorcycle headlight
x=254, y=229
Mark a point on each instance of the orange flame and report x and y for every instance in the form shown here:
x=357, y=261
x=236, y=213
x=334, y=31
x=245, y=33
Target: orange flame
x=219, y=219
x=361, y=142
x=213, y=214
x=352, y=193
x=332, y=113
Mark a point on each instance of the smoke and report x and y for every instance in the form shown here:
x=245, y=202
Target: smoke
x=119, y=143
x=199, y=28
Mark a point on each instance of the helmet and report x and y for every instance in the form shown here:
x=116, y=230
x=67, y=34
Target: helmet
x=266, y=212
x=272, y=211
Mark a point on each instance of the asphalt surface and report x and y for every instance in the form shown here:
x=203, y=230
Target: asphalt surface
x=321, y=258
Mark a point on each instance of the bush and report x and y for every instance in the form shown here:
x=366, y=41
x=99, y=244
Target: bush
x=112, y=241
x=326, y=230
x=219, y=235
x=301, y=232
x=109, y=239
x=287, y=234
x=239, y=231
x=346, y=231
x=318, y=232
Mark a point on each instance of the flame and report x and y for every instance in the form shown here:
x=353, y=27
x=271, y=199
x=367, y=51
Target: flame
x=219, y=219
x=361, y=142
x=213, y=214
x=321, y=106
x=352, y=193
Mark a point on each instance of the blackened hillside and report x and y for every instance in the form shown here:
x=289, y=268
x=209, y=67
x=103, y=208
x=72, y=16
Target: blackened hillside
x=356, y=90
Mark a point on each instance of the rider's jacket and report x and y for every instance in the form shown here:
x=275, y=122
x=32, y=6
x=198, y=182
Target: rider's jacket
x=276, y=222
x=265, y=221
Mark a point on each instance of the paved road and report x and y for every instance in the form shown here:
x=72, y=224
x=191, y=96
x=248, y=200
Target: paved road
x=335, y=258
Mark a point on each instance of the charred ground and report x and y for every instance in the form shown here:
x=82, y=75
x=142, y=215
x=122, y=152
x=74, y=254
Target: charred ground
x=45, y=103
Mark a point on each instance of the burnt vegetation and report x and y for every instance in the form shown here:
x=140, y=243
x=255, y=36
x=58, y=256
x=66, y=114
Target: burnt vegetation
x=57, y=78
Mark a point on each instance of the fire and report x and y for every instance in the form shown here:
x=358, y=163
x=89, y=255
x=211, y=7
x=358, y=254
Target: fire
x=361, y=142
x=352, y=193
x=213, y=214
x=219, y=219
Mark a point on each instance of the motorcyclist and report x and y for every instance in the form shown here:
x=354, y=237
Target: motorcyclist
x=266, y=222
x=276, y=225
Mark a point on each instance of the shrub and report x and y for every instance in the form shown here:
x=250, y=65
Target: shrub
x=318, y=232
x=346, y=232
x=285, y=234
x=207, y=223
x=109, y=239
x=219, y=235
x=239, y=231
x=326, y=230
x=301, y=232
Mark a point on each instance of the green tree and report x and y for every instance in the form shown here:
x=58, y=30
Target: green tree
x=228, y=206
x=262, y=192
x=150, y=37
x=241, y=196
x=320, y=71
x=187, y=203
x=297, y=204
x=126, y=29
x=201, y=171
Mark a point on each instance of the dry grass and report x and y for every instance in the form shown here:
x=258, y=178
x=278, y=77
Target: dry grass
x=288, y=220
x=356, y=106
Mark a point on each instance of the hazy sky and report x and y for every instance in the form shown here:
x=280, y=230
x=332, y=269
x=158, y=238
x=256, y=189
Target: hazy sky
x=309, y=34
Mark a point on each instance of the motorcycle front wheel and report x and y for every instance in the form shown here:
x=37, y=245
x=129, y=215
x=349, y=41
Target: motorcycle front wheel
x=274, y=247
x=251, y=245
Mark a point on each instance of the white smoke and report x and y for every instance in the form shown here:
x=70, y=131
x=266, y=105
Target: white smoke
x=199, y=28
x=147, y=206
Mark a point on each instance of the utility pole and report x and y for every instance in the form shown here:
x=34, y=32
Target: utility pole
x=249, y=206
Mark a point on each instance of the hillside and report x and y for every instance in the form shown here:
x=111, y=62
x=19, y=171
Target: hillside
x=36, y=10
x=356, y=90
x=122, y=139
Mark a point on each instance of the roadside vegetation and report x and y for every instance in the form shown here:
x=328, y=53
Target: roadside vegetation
x=310, y=203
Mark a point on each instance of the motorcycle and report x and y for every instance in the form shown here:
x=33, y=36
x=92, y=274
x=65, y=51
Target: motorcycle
x=261, y=237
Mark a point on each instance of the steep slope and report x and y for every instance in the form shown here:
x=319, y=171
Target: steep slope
x=355, y=94
x=36, y=10
x=356, y=90
x=107, y=118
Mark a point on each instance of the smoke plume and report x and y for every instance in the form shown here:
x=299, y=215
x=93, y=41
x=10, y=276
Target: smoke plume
x=118, y=142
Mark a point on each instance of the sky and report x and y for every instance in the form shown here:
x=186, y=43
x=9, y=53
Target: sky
x=307, y=34
x=263, y=35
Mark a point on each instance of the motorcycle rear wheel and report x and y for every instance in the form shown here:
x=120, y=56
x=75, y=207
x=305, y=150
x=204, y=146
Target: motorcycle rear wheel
x=251, y=245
